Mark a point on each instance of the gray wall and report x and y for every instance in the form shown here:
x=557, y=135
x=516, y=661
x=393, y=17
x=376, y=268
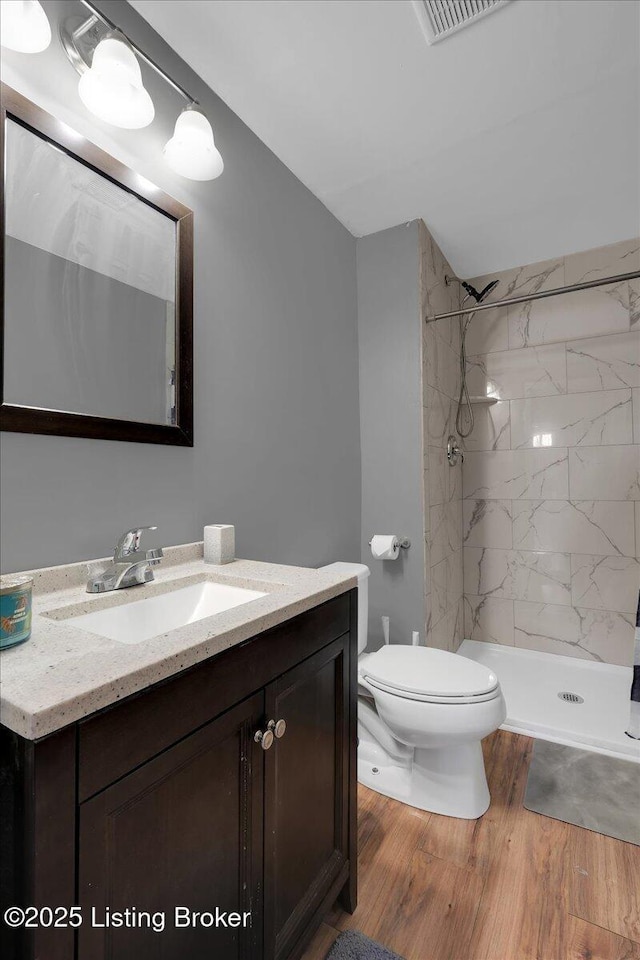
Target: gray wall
x=276, y=364
x=389, y=335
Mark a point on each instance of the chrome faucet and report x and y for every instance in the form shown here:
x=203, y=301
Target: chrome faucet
x=130, y=564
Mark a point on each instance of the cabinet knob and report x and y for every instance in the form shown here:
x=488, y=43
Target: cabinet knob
x=279, y=727
x=264, y=738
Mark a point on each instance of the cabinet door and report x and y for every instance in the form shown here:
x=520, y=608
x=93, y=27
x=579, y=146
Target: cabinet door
x=306, y=795
x=183, y=830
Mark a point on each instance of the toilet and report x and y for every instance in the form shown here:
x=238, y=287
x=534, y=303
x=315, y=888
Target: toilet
x=422, y=714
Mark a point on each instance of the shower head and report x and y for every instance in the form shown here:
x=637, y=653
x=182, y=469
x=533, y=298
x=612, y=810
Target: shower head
x=471, y=291
x=479, y=297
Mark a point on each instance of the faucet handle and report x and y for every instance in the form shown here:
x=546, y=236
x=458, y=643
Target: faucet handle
x=129, y=542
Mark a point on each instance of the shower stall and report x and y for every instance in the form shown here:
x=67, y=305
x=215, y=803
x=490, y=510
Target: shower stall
x=532, y=376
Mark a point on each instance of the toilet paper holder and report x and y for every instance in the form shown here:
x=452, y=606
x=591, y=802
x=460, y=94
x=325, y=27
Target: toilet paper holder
x=403, y=542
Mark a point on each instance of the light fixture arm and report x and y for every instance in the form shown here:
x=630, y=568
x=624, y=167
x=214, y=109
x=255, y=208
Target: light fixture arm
x=84, y=27
x=70, y=40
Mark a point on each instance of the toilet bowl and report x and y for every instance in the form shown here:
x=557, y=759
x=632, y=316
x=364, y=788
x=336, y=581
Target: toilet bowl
x=422, y=714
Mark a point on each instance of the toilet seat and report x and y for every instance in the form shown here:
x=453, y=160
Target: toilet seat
x=429, y=675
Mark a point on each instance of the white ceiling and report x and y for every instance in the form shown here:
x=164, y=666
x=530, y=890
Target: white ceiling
x=516, y=139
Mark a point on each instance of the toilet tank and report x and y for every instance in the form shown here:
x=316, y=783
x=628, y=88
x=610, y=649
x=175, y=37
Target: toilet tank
x=362, y=572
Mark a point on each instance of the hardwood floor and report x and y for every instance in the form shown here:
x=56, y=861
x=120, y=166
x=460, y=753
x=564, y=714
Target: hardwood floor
x=513, y=885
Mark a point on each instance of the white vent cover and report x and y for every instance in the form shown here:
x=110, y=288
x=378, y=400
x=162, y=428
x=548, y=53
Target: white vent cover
x=441, y=18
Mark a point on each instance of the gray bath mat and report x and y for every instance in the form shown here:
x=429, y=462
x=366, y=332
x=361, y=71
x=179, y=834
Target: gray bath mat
x=589, y=789
x=355, y=946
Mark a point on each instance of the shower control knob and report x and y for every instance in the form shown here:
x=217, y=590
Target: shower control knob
x=264, y=738
x=279, y=727
x=453, y=451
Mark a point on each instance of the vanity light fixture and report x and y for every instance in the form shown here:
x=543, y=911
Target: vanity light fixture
x=111, y=87
x=24, y=26
x=191, y=151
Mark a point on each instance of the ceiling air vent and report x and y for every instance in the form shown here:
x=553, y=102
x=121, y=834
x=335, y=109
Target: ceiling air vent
x=441, y=18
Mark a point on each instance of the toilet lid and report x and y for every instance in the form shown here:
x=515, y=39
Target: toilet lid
x=428, y=672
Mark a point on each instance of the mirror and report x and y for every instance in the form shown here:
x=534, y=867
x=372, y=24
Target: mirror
x=97, y=291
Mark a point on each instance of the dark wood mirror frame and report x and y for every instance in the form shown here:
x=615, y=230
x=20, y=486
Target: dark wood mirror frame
x=23, y=419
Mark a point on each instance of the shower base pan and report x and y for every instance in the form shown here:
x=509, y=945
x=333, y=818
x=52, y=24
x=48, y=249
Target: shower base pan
x=592, y=715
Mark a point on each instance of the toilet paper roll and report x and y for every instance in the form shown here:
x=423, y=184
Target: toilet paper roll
x=385, y=546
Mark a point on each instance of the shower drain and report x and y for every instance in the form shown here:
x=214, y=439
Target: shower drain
x=571, y=697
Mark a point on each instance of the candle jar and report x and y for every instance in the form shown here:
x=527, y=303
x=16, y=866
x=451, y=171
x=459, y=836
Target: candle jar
x=15, y=610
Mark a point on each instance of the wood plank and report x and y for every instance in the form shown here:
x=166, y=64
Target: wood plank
x=428, y=910
x=522, y=912
x=520, y=915
x=393, y=833
x=474, y=843
x=604, y=883
x=487, y=747
x=374, y=812
x=508, y=767
x=588, y=942
x=322, y=943
x=520, y=874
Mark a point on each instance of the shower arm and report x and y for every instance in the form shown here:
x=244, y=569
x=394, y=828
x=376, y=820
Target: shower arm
x=574, y=287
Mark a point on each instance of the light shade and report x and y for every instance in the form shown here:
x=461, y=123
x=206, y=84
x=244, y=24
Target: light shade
x=112, y=89
x=191, y=152
x=24, y=26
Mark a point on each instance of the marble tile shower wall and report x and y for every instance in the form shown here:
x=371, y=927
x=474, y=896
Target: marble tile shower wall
x=551, y=478
x=442, y=483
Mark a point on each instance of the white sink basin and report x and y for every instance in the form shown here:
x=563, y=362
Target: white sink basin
x=143, y=619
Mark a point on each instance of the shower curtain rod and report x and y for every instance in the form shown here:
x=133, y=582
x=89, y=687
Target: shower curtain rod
x=585, y=285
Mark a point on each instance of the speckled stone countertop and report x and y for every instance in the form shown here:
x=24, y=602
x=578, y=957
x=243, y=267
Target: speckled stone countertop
x=64, y=673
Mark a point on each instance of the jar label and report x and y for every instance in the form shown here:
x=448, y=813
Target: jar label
x=15, y=617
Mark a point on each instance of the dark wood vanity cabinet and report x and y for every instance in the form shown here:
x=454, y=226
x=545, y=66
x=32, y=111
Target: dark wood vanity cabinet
x=184, y=829
x=306, y=796
x=167, y=800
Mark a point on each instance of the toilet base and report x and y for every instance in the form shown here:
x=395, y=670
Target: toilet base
x=449, y=781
